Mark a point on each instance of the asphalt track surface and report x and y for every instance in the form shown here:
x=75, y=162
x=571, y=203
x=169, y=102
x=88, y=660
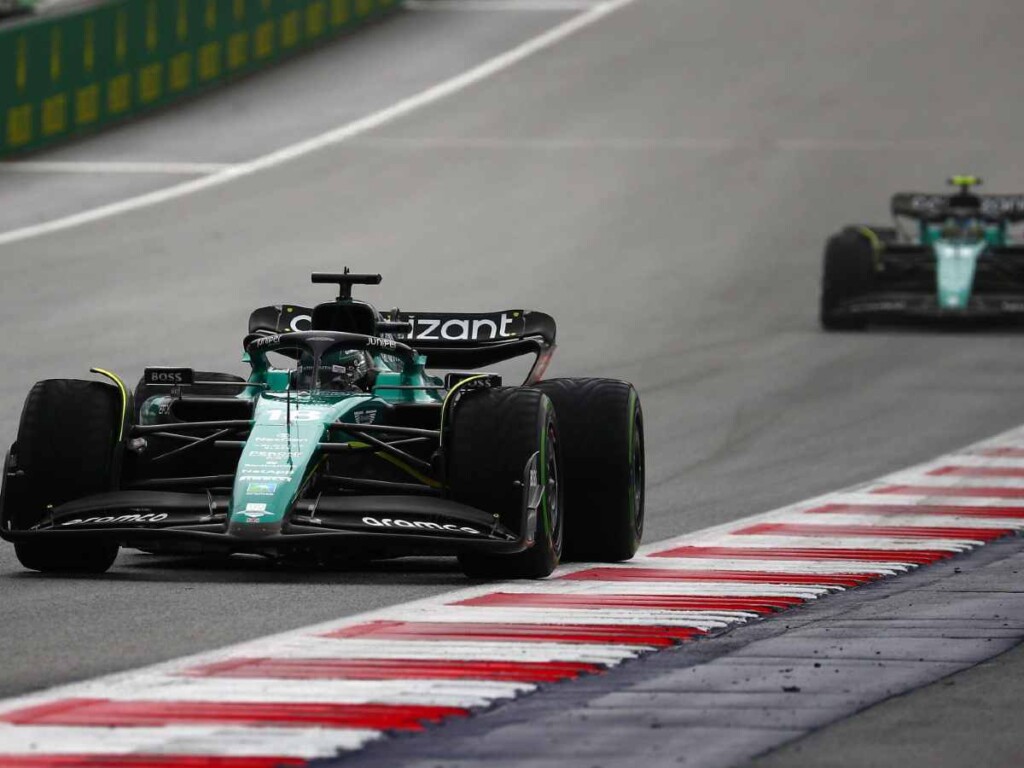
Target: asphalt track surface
x=661, y=182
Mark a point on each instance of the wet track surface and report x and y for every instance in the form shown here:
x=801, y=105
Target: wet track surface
x=661, y=182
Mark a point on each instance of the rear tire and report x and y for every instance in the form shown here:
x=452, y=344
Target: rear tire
x=848, y=271
x=66, y=449
x=494, y=433
x=602, y=430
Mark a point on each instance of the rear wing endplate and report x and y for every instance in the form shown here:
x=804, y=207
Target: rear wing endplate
x=477, y=340
x=931, y=207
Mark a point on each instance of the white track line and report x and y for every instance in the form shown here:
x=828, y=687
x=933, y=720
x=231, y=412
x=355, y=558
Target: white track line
x=709, y=588
x=914, y=499
x=557, y=616
x=951, y=482
x=183, y=739
x=837, y=568
x=463, y=650
x=113, y=166
x=449, y=693
x=990, y=461
x=909, y=519
x=335, y=136
x=839, y=541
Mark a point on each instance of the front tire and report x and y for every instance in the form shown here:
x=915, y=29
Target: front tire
x=848, y=271
x=50, y=557
x=67, y=448
x=494, y=434
x=603, y=464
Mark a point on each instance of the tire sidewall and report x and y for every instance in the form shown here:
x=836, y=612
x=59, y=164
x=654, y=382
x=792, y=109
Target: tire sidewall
x=847, y=272
x=549, y=541
x=68, y=444
x=601, y=423
x=638, y=475
x=494, y=434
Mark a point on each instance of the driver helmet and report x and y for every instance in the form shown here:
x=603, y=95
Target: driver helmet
x=345, y=370
x=340, y=371
x=962, y=225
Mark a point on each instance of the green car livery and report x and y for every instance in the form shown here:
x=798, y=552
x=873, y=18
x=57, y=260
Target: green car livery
x=958, y=262
x=344, y=443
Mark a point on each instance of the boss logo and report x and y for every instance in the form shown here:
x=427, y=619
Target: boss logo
x=169, y=376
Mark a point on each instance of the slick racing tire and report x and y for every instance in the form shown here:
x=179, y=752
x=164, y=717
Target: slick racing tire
x=848, y=271
x=494, y=433
x=67, y=448
x=50, y=557
x=602, y=431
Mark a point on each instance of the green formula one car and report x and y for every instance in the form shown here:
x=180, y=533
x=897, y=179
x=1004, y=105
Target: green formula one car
x=341, y=445
x=959, y=262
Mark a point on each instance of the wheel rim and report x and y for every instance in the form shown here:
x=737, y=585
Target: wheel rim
x=636, y=477
x=551, y=500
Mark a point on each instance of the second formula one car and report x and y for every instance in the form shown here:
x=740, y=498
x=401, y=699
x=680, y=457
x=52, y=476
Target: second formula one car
x=959, y=261
x=340, y=445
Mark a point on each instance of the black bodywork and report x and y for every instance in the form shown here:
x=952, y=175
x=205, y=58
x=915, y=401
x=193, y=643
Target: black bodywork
x=182, y=433
x=900, y=280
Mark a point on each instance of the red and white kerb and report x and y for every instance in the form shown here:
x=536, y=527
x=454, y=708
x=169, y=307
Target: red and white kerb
x=328, y=689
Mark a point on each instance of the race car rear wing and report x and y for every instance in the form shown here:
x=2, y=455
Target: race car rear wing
x=281, y=318
x=469, y=340
x=925, y=206
x=476, y=340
